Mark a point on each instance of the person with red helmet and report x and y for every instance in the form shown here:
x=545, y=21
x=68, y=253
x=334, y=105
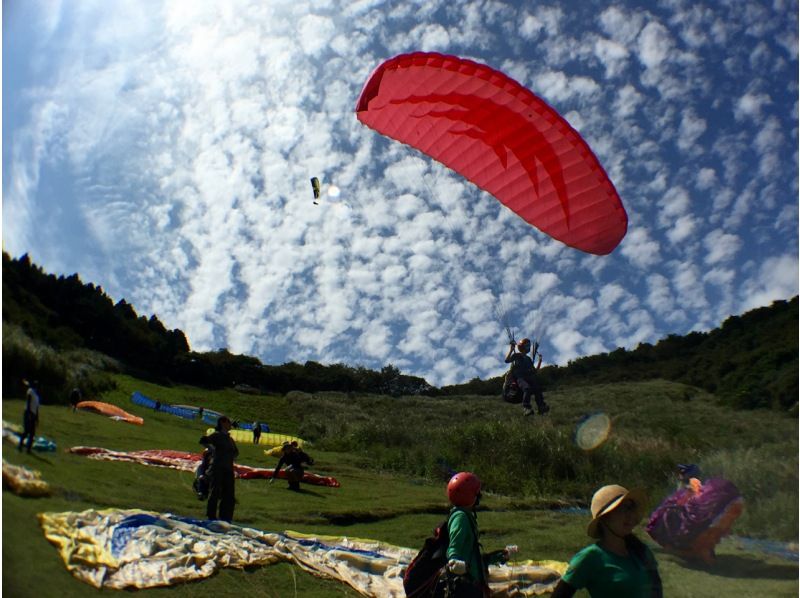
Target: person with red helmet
x=467, y=567
x=523, y=370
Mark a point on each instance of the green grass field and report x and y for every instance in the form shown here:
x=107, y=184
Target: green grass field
x=388, y=455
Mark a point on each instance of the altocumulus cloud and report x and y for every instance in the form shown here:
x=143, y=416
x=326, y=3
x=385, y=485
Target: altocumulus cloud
x=164, y=152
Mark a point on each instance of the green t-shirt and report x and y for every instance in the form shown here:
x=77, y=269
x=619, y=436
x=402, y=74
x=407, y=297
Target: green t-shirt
x=608, y=575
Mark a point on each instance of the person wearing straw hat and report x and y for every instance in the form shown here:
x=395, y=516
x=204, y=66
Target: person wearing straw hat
x=618, y=564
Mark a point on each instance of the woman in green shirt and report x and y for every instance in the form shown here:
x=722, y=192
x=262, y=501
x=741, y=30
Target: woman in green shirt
x=619, y=564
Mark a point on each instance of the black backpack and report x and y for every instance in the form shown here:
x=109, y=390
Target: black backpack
x=512, y=393
x=423, y=573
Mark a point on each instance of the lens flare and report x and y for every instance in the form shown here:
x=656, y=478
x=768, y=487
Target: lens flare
x=334, y=191
x=593, y=431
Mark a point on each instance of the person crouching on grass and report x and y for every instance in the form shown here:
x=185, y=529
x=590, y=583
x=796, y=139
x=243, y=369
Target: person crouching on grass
x=294, y=458
x=618, y=564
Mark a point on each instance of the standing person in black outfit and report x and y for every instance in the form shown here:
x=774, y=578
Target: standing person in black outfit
x=256, y=432
x=30, y=417
x=221, y=473
x=75, y=398
x=523, y=370
x=294, y=458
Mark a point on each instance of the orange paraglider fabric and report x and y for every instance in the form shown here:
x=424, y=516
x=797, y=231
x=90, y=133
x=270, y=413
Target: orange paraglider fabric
x=493, y=131
x=111, y=411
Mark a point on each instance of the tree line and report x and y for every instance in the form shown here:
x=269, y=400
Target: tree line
x=751, y=361
x=66, y=314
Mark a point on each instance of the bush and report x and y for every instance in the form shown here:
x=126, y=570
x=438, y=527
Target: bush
x=56, y=373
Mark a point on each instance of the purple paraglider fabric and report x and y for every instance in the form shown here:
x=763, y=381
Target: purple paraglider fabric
x=693, y=521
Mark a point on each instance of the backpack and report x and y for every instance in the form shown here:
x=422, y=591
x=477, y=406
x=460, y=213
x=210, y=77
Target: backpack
x=423, y=573
x=202, y=484
x=512, y=393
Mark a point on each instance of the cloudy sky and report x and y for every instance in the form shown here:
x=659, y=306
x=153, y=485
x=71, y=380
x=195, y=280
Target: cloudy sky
x=163, y=150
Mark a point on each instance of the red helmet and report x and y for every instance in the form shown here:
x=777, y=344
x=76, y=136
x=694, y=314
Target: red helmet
x=524, y=345
x=463, y=489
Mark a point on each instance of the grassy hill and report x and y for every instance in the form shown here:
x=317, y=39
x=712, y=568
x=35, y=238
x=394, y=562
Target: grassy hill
x=391, y=456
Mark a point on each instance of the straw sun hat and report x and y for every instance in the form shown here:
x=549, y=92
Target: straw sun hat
x=609, y=498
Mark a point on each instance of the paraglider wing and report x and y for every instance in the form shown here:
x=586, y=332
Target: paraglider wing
x=499, y=135
x=315, y=188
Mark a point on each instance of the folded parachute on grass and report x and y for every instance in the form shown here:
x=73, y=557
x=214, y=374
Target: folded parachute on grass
x=185, y=461
x=23, y=481
x=109, y=410
x=12, y=433
x=122, y=549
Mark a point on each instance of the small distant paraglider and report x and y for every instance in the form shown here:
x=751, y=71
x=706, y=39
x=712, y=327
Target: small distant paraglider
x=332, y=191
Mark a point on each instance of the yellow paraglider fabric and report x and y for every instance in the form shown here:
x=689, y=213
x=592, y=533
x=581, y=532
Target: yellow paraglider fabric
x=275, y=451
x=267, y=438
x=23, y=481
x=123, y=549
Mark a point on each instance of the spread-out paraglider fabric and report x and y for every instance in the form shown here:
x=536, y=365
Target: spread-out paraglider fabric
x=693, y=520
x=12, y=433
x=111, y=411
x=23, y=481
x=185, y=461
x=268, y=439
x=180, y=410
x=124, y=549
x=493, y=131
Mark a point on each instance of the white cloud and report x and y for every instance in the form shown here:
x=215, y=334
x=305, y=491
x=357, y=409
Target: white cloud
x=640, y=248
x=706, y=178
x=654, y=45
x=682, y=230
x=555, y=86
x=530, y=27
x=613, y=55
x=721, y=246
x=165, y=153
x=675, y=203
x=776, y=278
x=691, y=128
x=751, y=105
x=621, y=26
x=627, y=101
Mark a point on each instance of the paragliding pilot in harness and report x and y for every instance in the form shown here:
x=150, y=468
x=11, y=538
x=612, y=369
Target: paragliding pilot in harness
x=523, y=373
x=452, y=563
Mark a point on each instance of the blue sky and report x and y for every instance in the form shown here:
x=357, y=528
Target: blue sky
x=163, y=150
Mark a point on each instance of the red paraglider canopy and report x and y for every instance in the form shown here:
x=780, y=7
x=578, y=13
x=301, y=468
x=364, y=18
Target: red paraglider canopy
x=499, y=135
